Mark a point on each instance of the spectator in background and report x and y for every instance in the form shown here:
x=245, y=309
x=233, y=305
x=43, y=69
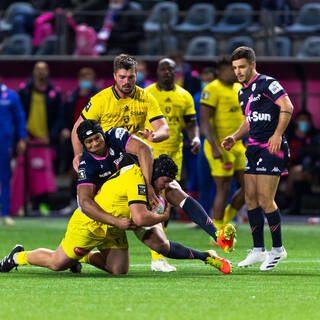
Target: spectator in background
x=185, y=76
x=13, y=125
x=142, y=75
x=42, y=104
x=121, y=30
x=304, y=142
x=77, y=100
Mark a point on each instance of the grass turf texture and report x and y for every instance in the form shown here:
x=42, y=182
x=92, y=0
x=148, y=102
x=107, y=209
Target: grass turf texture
x=195, y=291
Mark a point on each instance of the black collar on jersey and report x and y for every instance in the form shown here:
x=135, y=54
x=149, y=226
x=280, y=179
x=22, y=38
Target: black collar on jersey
x=116, y=93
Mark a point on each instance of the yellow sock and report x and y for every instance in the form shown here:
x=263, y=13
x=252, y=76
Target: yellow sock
x=218, y=223
x=21, y=258
x=229, y=214
x=156, y=255
x=84, y=259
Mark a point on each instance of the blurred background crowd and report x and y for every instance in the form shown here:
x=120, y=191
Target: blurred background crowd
x=58, y=53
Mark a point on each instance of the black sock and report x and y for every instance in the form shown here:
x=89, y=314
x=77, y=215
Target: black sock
x=256, y=220
x=198, y=215
x=179, y=251
x=274, y=221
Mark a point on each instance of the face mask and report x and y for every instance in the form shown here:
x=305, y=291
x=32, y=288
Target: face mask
x=85, y=84
x=204, y=84
x=303, y=126
x=140, y=76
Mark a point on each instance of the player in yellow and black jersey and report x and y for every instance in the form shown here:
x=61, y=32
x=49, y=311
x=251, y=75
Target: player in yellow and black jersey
x=221, y=115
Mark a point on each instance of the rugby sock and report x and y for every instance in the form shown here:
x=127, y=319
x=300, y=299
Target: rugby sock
x=274, y=221
x=256, y=220
x=229, y=214
x=198, y=215
x=218, y=224
x=156, y=256
x=21, y=258
x=85, y=259
x=179, y=251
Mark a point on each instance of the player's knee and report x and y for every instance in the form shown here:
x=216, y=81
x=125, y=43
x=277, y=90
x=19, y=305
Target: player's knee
x=163, y=247
x=117, y=270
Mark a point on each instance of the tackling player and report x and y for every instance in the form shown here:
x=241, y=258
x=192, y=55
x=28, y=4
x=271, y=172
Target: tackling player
x=267, y=109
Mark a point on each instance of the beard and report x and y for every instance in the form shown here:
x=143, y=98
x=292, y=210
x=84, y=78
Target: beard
x=125, y=90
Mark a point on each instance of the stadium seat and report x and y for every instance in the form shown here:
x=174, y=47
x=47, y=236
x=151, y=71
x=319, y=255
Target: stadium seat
x=200, y=17
x=236, y=17
x=308, y=19
x=163, y=15
x=236, y=42
x=310, y=48
x=16, y=17
x=282, y=46
x=50, y=46
x=17, y=44
x=161, y=46
x=201, y=46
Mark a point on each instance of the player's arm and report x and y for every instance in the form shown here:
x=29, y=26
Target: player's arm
x=90, y=208
x=76, y=144
x=141, y=216
x=160, y=133
x=145, y=156
x=243, y=131
x=206, y=112
x=286, y=110
x=192, y=130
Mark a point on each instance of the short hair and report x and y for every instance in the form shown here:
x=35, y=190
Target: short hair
x=85, y=71
x=244, y=53
x=223, y=61
x=124, y=61
x=88, y=128
x=164, y=166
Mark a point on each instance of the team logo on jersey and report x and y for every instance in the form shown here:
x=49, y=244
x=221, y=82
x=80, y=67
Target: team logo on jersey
x=259, y=161
x=256, y=98
x=142, y=190
x=275, y=87
x=126, y=108
x=253, y=87
x=126, y=119
x=88, y=106
x=257, y=116
x=119, y=133
x=275, y=169
x=82, y=174
x=168, y=109
x=205, y=95
x=111, y=151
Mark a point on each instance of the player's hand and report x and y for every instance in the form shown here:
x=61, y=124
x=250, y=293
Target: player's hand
x=21, y=146
x=166, y=213
x=274, y=143
x=195, y=145
x=125, y=224
x=76, y=161
x=148, y=134
x=152, y=197
x=216, y=153
x=228, y=143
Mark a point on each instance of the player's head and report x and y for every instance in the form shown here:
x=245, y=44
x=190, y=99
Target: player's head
x=224, y=70
x=166, y=71
x=41, y=71
x=164, y=171
x=125, y=73
x=244, y=63
x=91, y=136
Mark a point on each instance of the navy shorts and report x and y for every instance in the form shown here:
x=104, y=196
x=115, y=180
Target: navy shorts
x=260, y=161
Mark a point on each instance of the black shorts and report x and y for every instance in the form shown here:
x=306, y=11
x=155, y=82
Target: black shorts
x=260, y=161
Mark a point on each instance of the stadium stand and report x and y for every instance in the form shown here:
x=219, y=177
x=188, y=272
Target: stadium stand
x=201, y=46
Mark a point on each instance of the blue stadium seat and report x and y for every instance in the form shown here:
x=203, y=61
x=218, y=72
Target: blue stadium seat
x=50, y=46
x=163, y=15
x=236, y=17
x=282, y=46
x=17, y=44
x=308, y=19
x=161, y=46
x=238, y=41
x=15, y=16
x=201, y=46
x=200, y=17
x=310, y=48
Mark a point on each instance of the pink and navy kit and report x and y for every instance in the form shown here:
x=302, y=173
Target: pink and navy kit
x=258, y=100
x=97, y=170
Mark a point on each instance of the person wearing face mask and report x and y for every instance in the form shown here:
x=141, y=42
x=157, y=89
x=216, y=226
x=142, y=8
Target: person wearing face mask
x=142, y=73
x=72, y=109
x=304, y=141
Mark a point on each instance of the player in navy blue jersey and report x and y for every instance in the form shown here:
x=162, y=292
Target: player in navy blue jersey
x=267, y=110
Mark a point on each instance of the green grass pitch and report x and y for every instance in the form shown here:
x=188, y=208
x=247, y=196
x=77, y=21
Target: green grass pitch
x=195, y=291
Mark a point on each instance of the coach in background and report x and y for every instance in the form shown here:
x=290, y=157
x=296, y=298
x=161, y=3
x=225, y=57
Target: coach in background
x=13, y=125
x=267, y=109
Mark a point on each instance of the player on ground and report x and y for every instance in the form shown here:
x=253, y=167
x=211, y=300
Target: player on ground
x=221, y=115
x=178, y=107
x=123, y=196
x=267, y=109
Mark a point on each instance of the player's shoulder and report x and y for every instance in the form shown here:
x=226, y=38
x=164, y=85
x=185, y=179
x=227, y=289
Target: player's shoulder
x=104, y=94
x=182, y=91
x=151, y=88
x=116, y=133
x=131, y=171
x=213, y=85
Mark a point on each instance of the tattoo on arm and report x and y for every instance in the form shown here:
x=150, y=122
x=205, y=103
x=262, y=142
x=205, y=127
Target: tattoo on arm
x=288, y=112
